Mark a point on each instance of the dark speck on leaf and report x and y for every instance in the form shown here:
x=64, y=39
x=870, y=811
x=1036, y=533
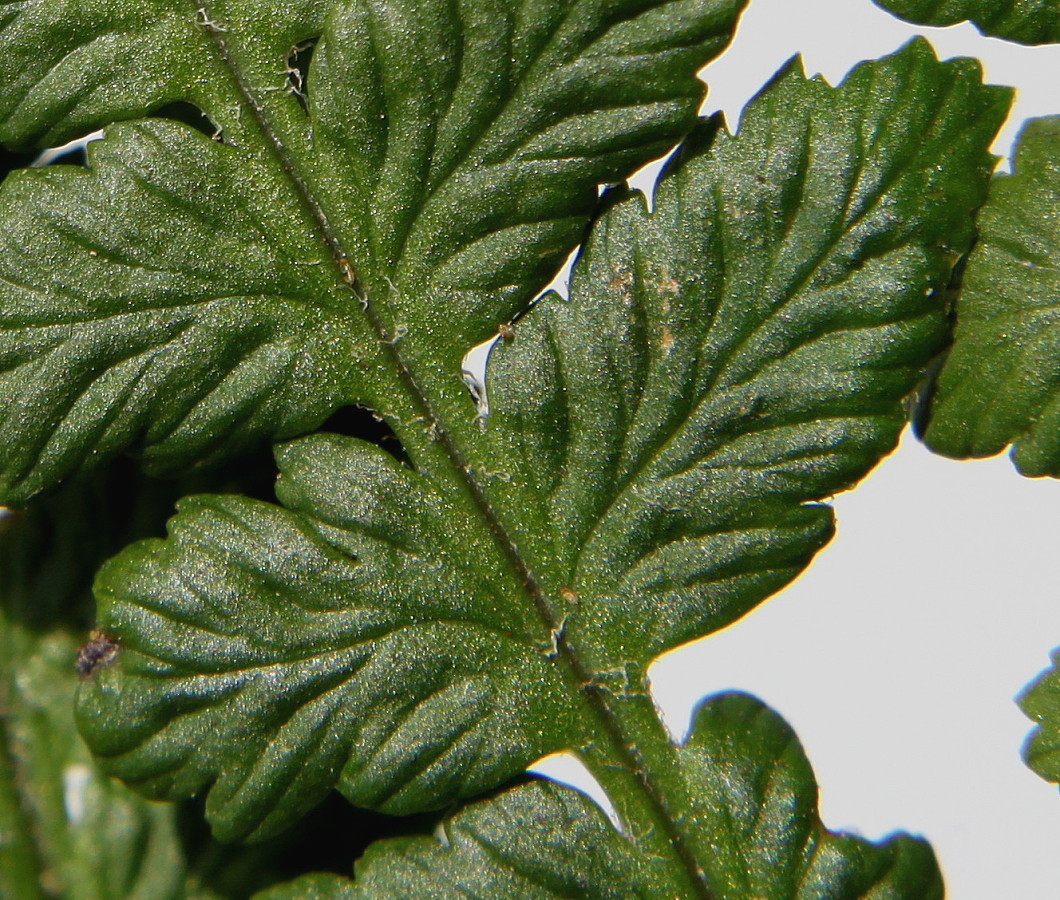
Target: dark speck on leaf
x=99, y=651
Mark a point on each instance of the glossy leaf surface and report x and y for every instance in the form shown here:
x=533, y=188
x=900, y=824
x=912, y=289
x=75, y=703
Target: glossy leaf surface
x=186, y=299
x=413, y=635
x=757, y=830
x=69, y=831
x=278, y=651
x=538, y=841
x=755, y=821
x=1041, y=702
x=657, y=443
x=172, y=294
x=69, y=69
x=1001, y=381
x=1025, y=21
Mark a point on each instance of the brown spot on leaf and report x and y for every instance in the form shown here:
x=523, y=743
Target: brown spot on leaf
x=99, y=651
x=666, y=342
x=667, y=284
x=621, y=281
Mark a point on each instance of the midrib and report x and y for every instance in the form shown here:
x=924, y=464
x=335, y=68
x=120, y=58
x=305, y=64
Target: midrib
x=430, y=441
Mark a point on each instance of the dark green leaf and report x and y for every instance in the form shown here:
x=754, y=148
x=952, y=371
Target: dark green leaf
x=347, y=640
x=755, y=824
x=418, y=635
x=65, y=824
x=657, y=443
x=538, y=841
x=1001, y=382
x=119, y=326
x=186, y=298
x=70, y=68
x=1041, y=702
x=464, y=148
x=1025, y=21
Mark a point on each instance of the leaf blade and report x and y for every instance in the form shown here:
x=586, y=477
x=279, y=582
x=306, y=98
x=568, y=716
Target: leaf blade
x=537, y=840
x=1034, y=22
x=261, y=652
x=116, y=331
x=307, y=341
x=996, y=386
x=1040, y=701
x=383, y=550
x=71, y=69
x=753, y=821
x=476, y=169
x=667, y=434
x=758, y=832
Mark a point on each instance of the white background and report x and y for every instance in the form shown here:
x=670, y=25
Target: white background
x=897, y=655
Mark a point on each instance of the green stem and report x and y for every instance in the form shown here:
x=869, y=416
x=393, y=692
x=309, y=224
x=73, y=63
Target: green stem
x=631, y=748
x=631, y=755
x=638, y=769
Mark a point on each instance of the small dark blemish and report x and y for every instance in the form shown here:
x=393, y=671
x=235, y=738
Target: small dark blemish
x=99, y=651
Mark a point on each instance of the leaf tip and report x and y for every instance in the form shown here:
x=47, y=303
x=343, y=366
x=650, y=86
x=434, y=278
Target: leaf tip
x=793, y=69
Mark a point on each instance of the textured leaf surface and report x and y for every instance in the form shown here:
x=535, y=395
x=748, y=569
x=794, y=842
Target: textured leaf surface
x=1041, y=702
x=172, y=296
x=418, y=635
x=740, y=352
x=1001, y=382
x=538, y=841
x=1025, y=21
x=68, y=830
x=279, y=653
x=186, y=299
x=755, y=822
x=466, y=176
x=70, y=68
